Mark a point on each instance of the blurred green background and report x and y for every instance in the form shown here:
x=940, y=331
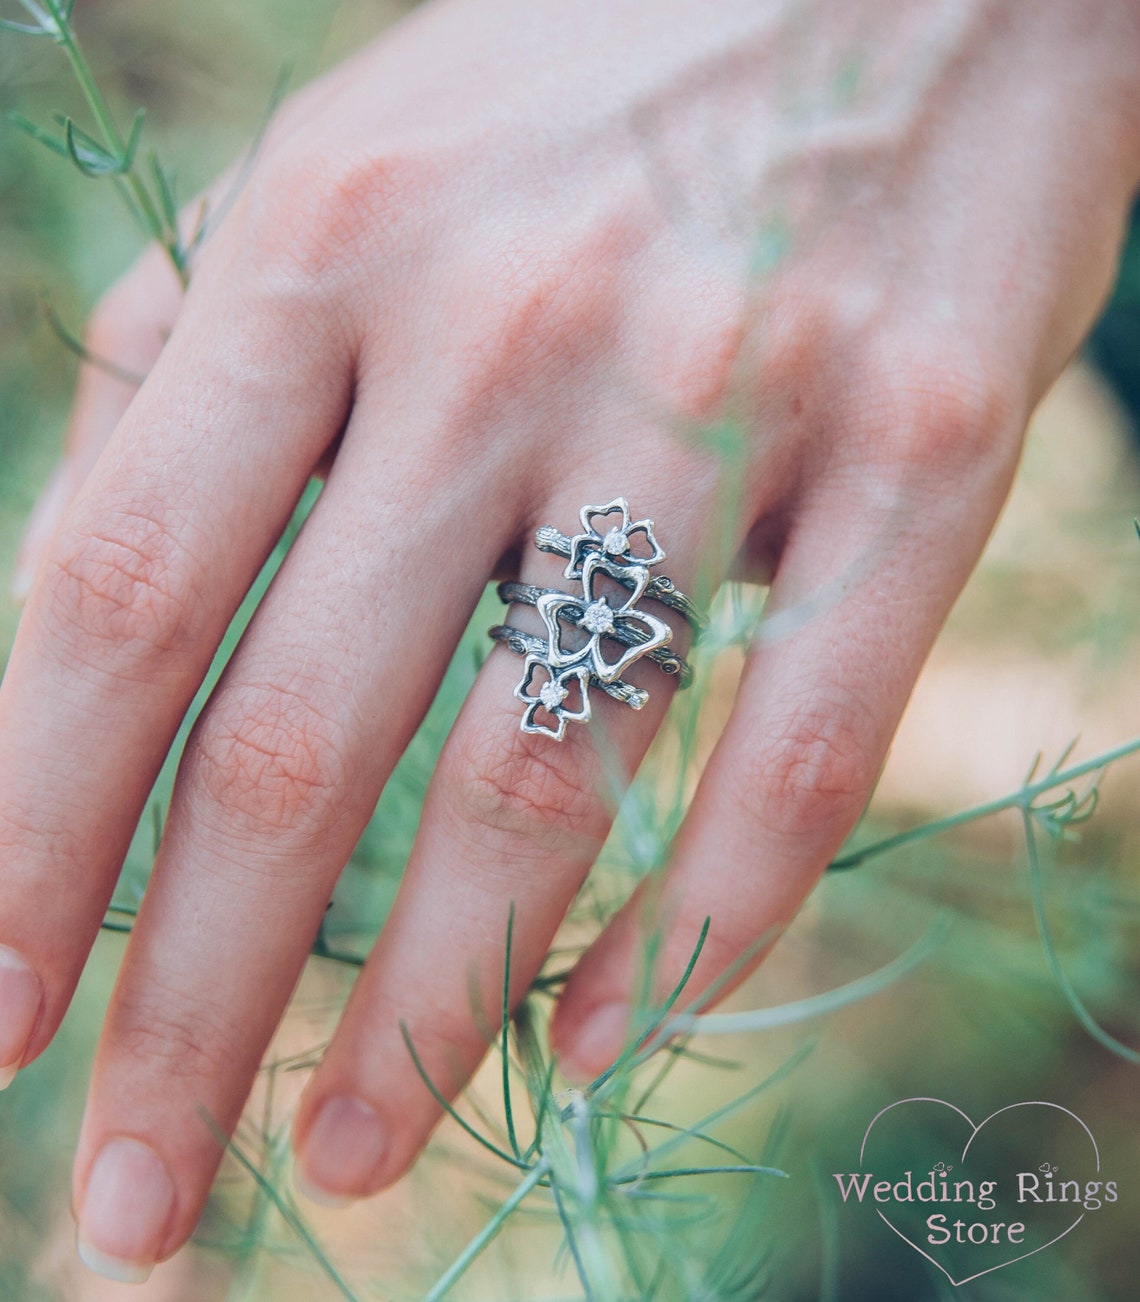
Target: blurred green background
x=1042, y=646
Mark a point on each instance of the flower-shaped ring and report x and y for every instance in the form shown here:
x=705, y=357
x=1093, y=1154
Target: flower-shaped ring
x=605, y=558
x=616, y=542
x=599, y=619
x=553, y=696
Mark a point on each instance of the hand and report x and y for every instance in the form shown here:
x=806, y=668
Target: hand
x=499, y=265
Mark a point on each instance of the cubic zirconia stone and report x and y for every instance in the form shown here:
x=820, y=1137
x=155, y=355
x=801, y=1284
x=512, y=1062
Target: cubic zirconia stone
x=552, y=694
x=615, y=543
x=598, y=617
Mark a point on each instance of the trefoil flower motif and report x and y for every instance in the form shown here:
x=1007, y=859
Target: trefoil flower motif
x=613, y=540
x=553, y=696
x=599, y=618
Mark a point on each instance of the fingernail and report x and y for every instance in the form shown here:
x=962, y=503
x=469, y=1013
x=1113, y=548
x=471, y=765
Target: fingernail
x=341, y=1152
x=126, y=1209
x=597, y=1042
x=21, y=995
x=39, y=529
x=319, y=1196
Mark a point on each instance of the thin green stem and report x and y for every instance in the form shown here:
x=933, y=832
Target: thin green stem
x=81, y=70
x=571, y=1242
x=286, y=1211
x=631, y=1050
x=488, y=1232
x=116, y=141
x=743, y=1168
x=504, y=1046
x=74, y=344
x=710, y=1119
x=1025, y=794
x=449, y=1108
x=1037, y=889
x=574, y=1164
x=800, y=1010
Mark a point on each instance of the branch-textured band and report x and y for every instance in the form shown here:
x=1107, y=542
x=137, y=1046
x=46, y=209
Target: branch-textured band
x=558, y=673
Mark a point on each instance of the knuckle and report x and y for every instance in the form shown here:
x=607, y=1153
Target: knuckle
x=519, y=791
x=941, y=410
x=700, y=377
x=813, y=772
x=310, y=211
x=127, y=589
x=548, y=304
x=177, y=1037
x=271, y=759
x=28, y=837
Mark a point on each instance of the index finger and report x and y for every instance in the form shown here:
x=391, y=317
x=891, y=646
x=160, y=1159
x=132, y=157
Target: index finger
x=126, y=612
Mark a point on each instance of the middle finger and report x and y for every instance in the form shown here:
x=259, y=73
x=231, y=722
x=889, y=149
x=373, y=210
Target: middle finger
x=279, y=778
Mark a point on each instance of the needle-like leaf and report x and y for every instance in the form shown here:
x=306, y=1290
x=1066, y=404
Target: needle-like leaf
x=56, y=144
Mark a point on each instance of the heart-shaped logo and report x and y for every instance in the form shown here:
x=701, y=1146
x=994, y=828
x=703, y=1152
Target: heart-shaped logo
x=971, y=1204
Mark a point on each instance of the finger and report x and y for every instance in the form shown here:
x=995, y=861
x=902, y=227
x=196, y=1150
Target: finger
x=509, y=817
x=869, y=573
x=126, y=333
x=135, y=595
x=277, y=783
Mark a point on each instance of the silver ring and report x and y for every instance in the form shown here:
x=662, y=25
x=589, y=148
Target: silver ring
x=529, y=594
x=526, y=644
x=624, y=553
x=662, y=589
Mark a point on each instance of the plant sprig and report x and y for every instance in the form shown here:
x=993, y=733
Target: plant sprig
x=108, y=152
x=571, y=1156
x=1065, y=812
x=1057, y=816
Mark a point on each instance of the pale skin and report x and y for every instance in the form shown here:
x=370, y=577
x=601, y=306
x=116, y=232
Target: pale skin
x=493, y=268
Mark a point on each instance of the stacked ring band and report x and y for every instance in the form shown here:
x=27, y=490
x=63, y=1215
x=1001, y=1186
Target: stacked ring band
x=549, y=539
x=571, y=671
x=528, y=594
x=527, y=644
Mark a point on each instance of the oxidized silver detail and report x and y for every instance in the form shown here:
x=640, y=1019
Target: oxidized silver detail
x=656, y=633
x=525, y=644
x=616, y=542
x=662, y=589
x=667, y=661
x=552, y=696
x=603, y=549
